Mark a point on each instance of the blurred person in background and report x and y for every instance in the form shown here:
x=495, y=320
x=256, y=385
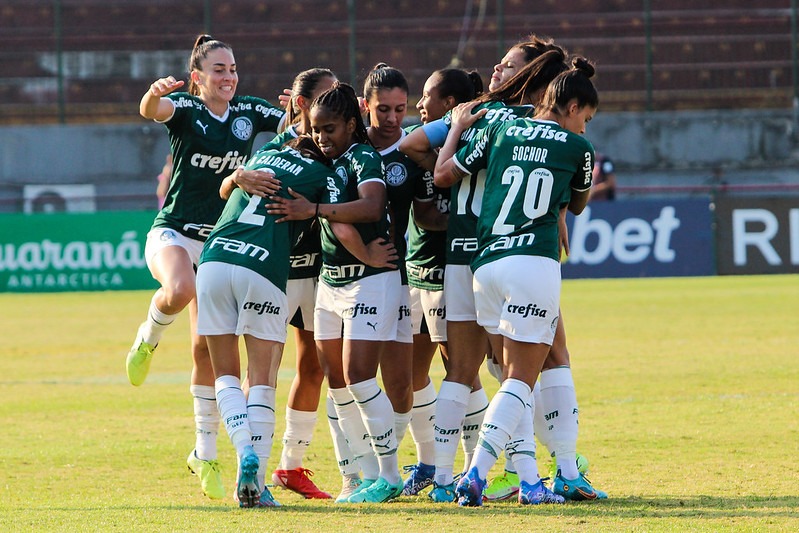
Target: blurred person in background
x=604, y=176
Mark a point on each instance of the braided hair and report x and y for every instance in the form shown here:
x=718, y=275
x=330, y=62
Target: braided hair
x=341, y=101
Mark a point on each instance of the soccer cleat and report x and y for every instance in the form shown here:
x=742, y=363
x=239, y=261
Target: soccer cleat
x=210, y=475
x=576, y=489
x=267, y=500
x=137, y=364
x=503, y=487
x=299, y=481
x=582, y=466
x=378, y=492
x=538, y=493
x=443, y=493
x=470, y=489
x=349, y=486
x=421, y=477
x=249, y=494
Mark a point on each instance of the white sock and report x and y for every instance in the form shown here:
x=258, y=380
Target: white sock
x=297, y=437
x=347, y=464
x=378, y=417
x=475, y=412
x=451, y=406
x=521, y=447
x=351, y=423
x=422, y=420
x=494, y=369
x=502, y=417
x=560, y=406
x=261, y=413
x=153, y=328
x=401, y=423
x=233, y=407
x=206, y=421
x=540, y=424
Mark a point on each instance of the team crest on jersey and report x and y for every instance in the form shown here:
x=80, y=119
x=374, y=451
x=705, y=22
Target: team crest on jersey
x=396, y=174
x=242, y=128
x=167, y=235
x=342, y=173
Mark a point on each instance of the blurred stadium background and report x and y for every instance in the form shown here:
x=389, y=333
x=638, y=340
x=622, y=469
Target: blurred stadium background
x=699, y=99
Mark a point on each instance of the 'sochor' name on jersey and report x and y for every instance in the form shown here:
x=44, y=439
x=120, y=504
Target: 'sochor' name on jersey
x=530, y=153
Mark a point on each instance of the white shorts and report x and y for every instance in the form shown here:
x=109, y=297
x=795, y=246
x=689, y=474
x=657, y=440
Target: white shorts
x=404, y=321
x=519, y=297
x=429, y=313
x=235, y=300
x=459, y=294
x=160, y=238
x=362, y=310
x=301, y=294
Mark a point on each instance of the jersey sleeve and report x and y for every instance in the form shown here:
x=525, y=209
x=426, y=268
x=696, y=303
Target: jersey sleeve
x=269, y=115
x=423, y=188
x=436, y=132
x=368, y=167
x=581, y=181
x=474, y=155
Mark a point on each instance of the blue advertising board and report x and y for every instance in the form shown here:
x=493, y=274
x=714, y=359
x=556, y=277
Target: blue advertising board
x=641, y=238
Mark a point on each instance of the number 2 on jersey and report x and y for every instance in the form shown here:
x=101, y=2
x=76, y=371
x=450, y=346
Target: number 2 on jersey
x=248, y=215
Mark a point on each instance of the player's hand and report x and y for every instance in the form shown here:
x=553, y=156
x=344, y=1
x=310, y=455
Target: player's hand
x=381, y=254
x=462, y=116
x=163, y=86
x=296, y=208
x=284, y=99
x=261, y=183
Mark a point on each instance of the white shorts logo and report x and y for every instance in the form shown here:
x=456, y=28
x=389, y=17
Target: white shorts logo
x=242, y=128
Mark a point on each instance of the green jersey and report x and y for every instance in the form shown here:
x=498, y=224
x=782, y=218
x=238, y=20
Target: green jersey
x=466, y=196
x=426, y=257
x=532, y=167
x=246, y=235
x=358, y=165
x=405, y=182
x=206, y=149
x=306, y=257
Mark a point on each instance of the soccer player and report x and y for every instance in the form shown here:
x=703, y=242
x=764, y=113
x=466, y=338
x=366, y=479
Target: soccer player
x=467, y=343
x=211, y=132
x=533, y=167
x=426, y=260
x=357, y=300
x=303, y=399
x=241, y=290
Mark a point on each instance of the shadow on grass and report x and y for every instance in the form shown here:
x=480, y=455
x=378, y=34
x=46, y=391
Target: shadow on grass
x=701, y=507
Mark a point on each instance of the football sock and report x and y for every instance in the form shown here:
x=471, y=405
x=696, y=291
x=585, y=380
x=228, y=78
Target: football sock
x=233, y=407
x=297, y=437
x=451, y=406
x=351, y=423
x=378, y=417
x=422, y=420
x=501, y=420
x=261, y=413
x=347, y=464
x=560, y=406
x=475, y=412
x=153, y=328
x=206, y=421
x=401, y=423
x=521, y=447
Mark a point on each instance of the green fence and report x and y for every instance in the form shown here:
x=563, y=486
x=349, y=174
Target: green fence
x=74, y=252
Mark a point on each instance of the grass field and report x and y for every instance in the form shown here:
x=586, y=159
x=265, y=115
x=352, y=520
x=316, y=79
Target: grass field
x=689, y=404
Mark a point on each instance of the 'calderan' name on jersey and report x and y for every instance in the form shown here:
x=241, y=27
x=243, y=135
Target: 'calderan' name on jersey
x=230, y=161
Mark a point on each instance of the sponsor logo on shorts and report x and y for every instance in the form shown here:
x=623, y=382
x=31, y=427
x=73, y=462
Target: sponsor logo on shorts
x=438, y=312
x=529, y=310
x=167, y=235
x=359, y=309
x=262, y=308
x=404, y=312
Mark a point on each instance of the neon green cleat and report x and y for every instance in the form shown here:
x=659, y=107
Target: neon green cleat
x=137, y=364
x=210, y=475
x=503, y=487
x=378, y=492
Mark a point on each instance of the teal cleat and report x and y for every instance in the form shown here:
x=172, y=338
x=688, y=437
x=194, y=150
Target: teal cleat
x=443, y=493
x=378, y=492
x=249, y=494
